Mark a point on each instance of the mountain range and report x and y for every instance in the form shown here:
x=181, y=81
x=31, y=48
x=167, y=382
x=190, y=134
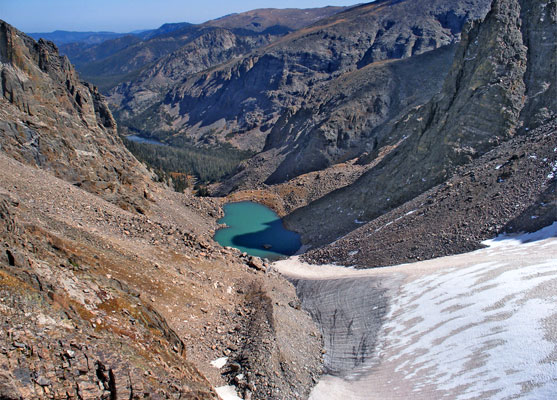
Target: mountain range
x=85, y=38
x=113, y=61
x=360, y=93
x=241, y=100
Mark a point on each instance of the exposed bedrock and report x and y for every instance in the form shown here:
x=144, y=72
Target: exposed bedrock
x=52, y=120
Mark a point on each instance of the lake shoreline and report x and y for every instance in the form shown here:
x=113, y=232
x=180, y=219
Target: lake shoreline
x=257, y=230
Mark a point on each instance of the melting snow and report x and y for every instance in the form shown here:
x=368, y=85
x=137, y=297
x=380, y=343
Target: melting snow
x=551, y=175
x=475, y=330
x=476, y=325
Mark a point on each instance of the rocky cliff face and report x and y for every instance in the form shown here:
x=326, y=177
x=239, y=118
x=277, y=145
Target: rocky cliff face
x=485, y=101
x=52, y=120
x=538, y=20
x=241, y=101
x=347, y=118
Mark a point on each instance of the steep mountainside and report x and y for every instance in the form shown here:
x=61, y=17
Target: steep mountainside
x=100, y=302
x=509, y=189
x=486, y=99
x=240, y=101
x=211, y=47
x=52, y=120
x=97, y=302
x=348, y=117
x=119, y=60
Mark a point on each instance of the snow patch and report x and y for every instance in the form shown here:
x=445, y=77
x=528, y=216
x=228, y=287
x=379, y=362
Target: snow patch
x=551, y=175
x=476, y=325
x=513, y=240
x=474, y=330
x=219, y=362
x=227, y=393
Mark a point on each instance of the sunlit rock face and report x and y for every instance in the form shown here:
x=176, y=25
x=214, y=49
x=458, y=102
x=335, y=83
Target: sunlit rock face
x=51, y=119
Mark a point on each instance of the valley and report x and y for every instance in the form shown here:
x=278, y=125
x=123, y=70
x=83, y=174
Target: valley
x=387, y=172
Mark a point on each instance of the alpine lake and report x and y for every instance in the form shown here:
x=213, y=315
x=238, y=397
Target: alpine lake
x=256, y=230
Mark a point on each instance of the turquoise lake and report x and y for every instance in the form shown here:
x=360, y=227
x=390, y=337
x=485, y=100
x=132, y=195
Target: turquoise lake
x=256, y=230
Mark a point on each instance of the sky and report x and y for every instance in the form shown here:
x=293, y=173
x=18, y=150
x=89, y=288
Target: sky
x=129, y=15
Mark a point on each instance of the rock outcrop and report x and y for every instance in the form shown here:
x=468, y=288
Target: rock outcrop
x=70, y=331
x=485, y=101
x=52, y=120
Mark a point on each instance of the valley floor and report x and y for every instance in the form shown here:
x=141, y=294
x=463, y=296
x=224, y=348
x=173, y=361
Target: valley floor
x=476, y=325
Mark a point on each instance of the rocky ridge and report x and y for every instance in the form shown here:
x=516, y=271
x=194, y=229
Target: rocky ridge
x=482, y=105
x=113, y=62
x=52, y=120
x=60, y=37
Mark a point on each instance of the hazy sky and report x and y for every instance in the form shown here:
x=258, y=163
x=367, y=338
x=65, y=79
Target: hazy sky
x=129, y=15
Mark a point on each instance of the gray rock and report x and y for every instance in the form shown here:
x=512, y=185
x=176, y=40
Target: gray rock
x=242, y=100
x=79, y=140
x=479, y=107
x=42, y=381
